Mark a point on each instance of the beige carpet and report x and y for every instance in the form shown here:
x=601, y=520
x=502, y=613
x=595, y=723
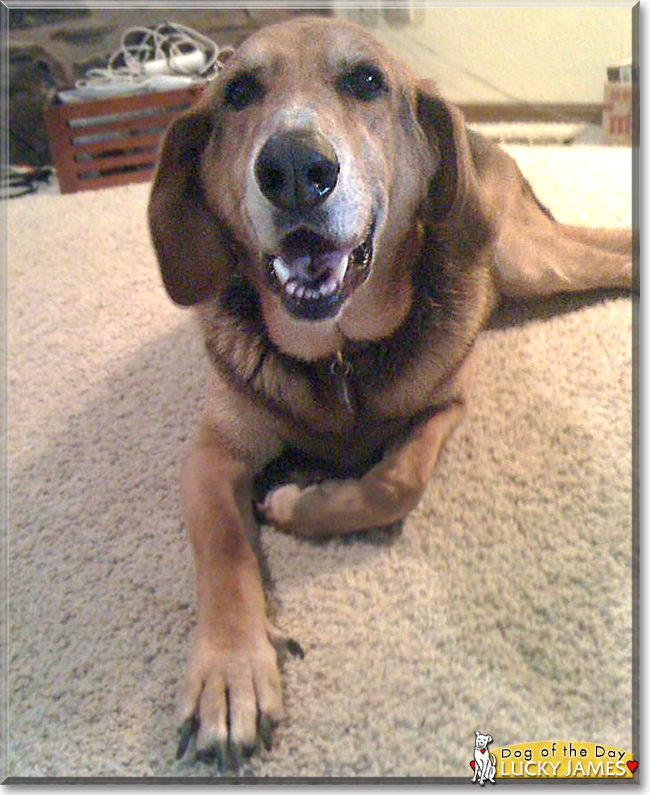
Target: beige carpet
x=503, y=605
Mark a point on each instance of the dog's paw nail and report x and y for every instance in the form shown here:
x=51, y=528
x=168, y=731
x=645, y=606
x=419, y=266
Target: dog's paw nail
x=186, y=732
x=211, y=756
x=266, y=731
x=236, y=758
x=294, y=648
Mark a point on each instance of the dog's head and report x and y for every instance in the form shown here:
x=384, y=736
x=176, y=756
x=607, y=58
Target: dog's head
x=482, y=740
x=308, y=167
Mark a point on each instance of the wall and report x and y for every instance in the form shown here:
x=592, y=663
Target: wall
x=539, y=55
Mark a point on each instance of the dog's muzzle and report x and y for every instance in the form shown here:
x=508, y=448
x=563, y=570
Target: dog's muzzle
x=296, y=172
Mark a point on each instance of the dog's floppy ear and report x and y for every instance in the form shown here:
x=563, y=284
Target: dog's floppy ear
x=190, y=242
x=455, y=200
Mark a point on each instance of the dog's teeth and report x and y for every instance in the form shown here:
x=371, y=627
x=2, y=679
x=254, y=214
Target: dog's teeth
x=295, y=290
x=281, y=270
x=329, y=287
x=339, y=273
x=299, y=292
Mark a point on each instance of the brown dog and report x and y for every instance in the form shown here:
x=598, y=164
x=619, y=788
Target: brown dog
x=344, y=239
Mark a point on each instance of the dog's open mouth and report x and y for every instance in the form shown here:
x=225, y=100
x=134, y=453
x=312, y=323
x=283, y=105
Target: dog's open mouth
x=315, y=277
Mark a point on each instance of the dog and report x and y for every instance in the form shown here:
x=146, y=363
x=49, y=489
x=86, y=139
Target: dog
x=343, y=238
x=484, y=762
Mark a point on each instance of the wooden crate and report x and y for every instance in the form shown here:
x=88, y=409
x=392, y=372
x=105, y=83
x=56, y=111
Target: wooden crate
x=115, y=141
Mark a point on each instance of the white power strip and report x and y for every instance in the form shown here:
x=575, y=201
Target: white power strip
x=188, y=63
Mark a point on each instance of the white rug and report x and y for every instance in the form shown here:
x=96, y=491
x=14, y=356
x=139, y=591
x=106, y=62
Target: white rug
x=503, y=605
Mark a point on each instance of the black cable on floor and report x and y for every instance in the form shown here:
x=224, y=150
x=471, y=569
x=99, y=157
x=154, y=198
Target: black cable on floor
x=17, y=181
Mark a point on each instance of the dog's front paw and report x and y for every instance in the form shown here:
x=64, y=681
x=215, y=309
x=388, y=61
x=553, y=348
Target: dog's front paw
x=300, y=511
x=231, y=700
x=279, y=507
x=318, y=511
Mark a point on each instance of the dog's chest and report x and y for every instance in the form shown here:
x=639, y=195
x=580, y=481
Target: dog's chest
x=352, y=394
x=362, y=395
x=346, y=403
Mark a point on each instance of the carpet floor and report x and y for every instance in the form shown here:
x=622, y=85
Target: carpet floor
x=502, y=604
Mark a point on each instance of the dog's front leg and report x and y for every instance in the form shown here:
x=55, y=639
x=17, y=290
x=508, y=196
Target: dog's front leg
x=232, y=688
x=387, y=493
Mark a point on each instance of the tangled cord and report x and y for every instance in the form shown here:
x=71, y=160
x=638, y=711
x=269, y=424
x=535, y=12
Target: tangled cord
x=169, y=48
x=16, y=181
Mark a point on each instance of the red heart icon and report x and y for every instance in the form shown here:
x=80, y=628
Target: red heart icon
x=472, y=764
x=632, y=765
x=483, y=750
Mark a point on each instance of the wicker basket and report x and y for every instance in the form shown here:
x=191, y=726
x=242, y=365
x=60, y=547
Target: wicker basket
x=115, y=141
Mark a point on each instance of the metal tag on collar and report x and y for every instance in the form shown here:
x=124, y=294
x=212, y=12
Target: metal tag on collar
x=342, y=371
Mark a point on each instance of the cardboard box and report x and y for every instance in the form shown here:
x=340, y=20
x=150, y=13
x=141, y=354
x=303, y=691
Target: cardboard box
x=619, y=103
x=617, y=114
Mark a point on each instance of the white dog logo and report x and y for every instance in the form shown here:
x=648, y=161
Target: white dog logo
x=484, y=763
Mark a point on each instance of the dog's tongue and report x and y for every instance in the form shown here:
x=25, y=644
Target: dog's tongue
x=309, y=256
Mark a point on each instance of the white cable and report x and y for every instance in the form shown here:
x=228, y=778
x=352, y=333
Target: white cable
x=145, y=53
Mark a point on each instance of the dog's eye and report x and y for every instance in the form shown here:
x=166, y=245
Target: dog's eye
x=242, y=90
x=364, y=82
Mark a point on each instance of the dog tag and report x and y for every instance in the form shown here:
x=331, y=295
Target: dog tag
x=342, y=372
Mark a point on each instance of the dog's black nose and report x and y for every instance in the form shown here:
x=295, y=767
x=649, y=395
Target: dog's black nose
x=297, y=170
